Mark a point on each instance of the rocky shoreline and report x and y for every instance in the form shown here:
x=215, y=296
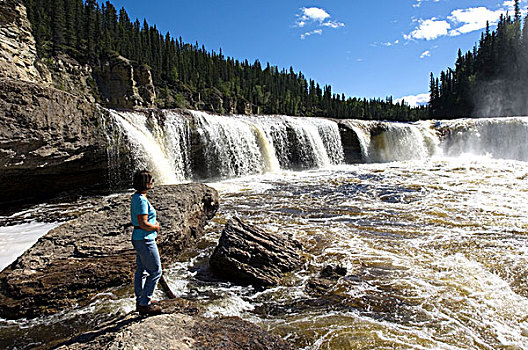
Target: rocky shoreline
x=181, y=327
x=92, y=254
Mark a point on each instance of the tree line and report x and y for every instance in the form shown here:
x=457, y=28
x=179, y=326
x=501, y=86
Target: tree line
x=90, y=32
x=488, y=80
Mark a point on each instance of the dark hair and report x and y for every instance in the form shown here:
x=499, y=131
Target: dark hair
x=142, y=179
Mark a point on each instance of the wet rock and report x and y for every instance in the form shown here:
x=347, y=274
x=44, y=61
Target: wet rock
x=180, y=330
x=248, y=255
x=93, y=253
x=326, y=280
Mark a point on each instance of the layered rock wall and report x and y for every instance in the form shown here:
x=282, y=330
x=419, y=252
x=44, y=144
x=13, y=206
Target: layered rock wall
x=18, y=53
x=50, y=142
x=124, y=85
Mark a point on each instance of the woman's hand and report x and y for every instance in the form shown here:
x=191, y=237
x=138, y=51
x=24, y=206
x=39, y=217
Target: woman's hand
x=145, y=225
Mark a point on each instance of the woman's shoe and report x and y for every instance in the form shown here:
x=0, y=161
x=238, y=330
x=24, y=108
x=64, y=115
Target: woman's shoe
x=149, y=310
x=151, y=302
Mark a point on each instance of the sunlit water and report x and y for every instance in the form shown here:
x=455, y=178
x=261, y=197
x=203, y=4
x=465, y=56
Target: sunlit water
x=435, y=252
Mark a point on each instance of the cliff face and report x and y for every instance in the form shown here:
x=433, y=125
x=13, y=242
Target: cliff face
x=17, y=45
x=123, y=85
x=50, y=142
x=52, y=137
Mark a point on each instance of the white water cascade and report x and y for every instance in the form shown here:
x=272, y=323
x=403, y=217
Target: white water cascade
x=499, y=138
x=147, y=145
x=403, y=142
x=388, y=142
x=180, y=147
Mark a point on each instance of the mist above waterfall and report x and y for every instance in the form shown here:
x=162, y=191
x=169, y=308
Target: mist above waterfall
x=500, y=97
x=489, y=80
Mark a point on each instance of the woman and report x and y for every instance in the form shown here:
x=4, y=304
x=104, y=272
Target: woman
x=146, y=227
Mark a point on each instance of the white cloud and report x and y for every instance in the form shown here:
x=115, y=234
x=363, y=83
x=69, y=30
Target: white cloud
x=459, y=21
x=315, y=18
x=414, y=100
x=333, y=24
x=307, y=34
x=425, y=54
x=429, y=29
x=313, y=14
x=395, y=42
x=471, y=19
x=419, y=2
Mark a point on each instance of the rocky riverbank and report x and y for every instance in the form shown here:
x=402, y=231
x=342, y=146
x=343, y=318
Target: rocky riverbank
x=92, y=253
x=182, y=327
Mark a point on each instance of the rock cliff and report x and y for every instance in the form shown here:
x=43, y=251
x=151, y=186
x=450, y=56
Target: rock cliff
x=50, y=142
x=53, y=137
x=18, y=54
x=123, y=85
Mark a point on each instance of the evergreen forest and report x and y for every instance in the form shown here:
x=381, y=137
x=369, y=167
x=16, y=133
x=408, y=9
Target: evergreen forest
x=89, y=32
x=489, y=80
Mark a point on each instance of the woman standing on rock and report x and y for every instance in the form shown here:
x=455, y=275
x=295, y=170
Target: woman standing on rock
x=146, y=226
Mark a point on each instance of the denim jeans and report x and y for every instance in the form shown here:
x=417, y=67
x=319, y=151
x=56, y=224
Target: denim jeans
x=148, y=270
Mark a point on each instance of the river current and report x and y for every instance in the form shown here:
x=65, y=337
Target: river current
x=434, y=252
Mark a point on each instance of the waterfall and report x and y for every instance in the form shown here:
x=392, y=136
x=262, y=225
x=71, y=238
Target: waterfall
x=231, y=145
x=494, y=137
x=199, y=145
x=400, y=141
x=147, y=145
x=181, y=146
x=389, y=141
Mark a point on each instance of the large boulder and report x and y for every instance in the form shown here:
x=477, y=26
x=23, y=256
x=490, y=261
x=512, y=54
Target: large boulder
x=93, y=253
x=248, y=255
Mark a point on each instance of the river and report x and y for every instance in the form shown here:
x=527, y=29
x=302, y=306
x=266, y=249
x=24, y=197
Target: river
x=432, y=233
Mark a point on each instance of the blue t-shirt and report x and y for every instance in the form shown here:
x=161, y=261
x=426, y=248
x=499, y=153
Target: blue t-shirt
x=141, y=206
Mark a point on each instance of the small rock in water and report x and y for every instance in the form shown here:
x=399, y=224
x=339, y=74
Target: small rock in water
x=248, y=255
x=327, y=278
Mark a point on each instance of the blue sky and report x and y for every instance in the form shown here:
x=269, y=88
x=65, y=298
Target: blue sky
x=375, y=48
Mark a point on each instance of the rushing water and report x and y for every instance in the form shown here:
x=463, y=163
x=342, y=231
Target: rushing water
x=432, y=232
x=435, y=252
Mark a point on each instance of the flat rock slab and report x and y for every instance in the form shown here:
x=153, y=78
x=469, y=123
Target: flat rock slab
x=181, y=329
x=93, y=252
x=247, y=254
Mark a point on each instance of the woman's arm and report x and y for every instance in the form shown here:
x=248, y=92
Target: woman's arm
x=145, y=225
